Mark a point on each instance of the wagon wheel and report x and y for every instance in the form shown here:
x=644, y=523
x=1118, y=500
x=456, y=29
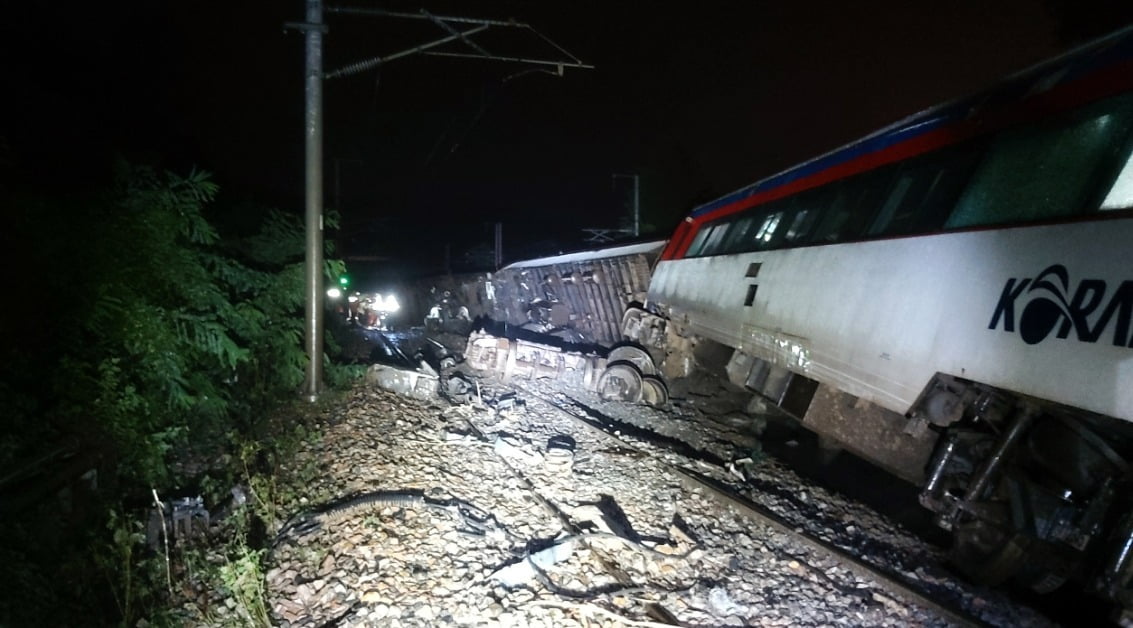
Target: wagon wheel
x=653, y=391
x=638, y=356
x=989, y=550
x=985, y=553
x=622, y=381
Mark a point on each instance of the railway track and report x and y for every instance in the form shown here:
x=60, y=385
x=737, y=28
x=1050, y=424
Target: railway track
x=611, y=430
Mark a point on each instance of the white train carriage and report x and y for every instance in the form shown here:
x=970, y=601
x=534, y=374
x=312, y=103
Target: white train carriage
x=952, y=298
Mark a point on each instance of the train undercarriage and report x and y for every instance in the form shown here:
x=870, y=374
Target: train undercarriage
x=1032, y=493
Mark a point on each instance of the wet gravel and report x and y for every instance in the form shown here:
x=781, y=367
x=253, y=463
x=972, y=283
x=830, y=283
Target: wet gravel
x=633, y=544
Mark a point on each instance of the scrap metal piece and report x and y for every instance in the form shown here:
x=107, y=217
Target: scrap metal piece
x=523, y=571
x=403, y=381
x=179, y=518
x=189, y=516
x=559, y=456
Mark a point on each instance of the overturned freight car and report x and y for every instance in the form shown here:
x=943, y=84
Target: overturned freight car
x=579, y=297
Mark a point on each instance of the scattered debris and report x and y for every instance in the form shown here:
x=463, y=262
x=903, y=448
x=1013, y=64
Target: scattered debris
x=459, y=389
x=510, y=447
x=472, y=520
x=413, y=384
x=525, y=570
x=184, y=518
x=559, y=457
x=505, y=402
x=722, y=604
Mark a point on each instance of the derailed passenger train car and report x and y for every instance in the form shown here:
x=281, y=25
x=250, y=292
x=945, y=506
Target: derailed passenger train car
x=952, y=298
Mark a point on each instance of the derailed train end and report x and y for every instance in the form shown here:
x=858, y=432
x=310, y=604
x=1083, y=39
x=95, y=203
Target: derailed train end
x=1033, y=492
x=949, y=298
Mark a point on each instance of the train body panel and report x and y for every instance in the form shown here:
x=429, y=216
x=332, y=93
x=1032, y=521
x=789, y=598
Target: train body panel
x=950, y=298
x=954, y=305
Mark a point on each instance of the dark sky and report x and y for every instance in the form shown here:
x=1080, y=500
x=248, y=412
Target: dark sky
x=697, y=98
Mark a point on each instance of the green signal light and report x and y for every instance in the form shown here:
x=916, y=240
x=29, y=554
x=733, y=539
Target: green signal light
x=344, y=281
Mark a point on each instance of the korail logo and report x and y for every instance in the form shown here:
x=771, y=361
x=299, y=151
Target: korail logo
x=1049, y=303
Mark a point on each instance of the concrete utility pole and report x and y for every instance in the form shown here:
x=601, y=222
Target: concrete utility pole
x=314, y=28
x=636, y=206
x=313, y=271
x=636, y=201
x=499, y=248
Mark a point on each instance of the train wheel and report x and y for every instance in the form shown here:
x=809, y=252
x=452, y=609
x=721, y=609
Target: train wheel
x=654, y=392
x=638, y=356
x=622, y=381
x=985, y=551
x=1017, y=557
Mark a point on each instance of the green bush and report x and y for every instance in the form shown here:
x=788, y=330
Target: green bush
x=170, y=341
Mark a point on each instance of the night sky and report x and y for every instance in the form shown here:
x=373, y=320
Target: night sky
x=696, y=98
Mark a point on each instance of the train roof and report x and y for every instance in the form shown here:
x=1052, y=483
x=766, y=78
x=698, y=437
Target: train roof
x=651, y=248
x=1067, y=68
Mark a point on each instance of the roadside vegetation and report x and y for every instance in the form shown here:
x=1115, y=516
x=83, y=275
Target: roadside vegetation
x=147, y=355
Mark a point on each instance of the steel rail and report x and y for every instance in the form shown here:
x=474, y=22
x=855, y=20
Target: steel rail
x=724, y=496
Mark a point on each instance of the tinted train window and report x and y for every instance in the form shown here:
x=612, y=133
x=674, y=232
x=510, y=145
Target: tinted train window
x=739, y=234
x=759, y=229
x=766, y=236
x=801, y=224
x=925, y=191
x=1049, y=170
x=853, y=204
x=895, y=199
x=698, y=242
x=712, y=245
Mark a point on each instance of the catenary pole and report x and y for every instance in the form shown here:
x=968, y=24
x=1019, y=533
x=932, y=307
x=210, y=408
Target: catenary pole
x=313, y=275
x=636, y=205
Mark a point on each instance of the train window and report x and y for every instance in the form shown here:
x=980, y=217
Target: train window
x=925, y=192
x=715, y=238
x=757, y=230
x=838, y=211
x=698, y=242
x=1046, y=171
x=800, y=226
x=709, y=239
x=852, y=204
x=767, y=229
x=739, y=235
x=896, y=196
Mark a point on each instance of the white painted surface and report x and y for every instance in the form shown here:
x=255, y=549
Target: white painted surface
x=880, y=318
x=582, y=256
